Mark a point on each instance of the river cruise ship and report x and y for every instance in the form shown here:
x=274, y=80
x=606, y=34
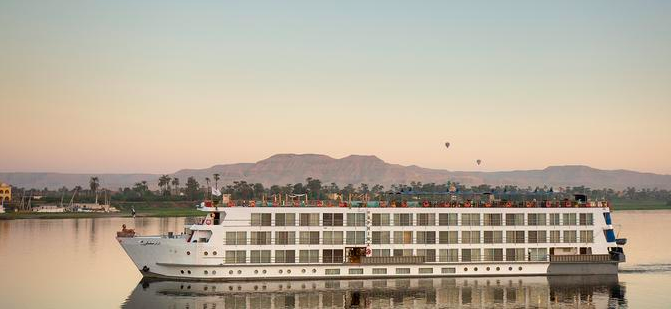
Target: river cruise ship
x=251, y=240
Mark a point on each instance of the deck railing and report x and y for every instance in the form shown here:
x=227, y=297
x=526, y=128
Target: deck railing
x=583, y=258
x=407, y=204
x=392, y=259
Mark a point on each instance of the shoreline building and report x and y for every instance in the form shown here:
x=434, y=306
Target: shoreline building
x=5, y=192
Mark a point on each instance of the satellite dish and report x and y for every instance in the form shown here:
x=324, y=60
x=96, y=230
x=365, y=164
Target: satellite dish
x=447, y=144
x=478, y=161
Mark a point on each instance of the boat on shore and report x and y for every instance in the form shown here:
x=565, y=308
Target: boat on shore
x=252, y=240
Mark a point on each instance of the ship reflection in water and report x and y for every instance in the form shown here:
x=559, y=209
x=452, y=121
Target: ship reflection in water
x=502, y=292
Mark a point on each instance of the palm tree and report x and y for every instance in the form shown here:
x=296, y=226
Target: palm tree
x=164, y=183
x=175, y=184
x=94, y=184
x=216, y=181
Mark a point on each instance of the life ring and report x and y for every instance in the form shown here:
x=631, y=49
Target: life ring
x=404, y=204
x=231, y=204
x=320, y=204
x=425, y=204
x=509, y=204
x=208, y=222
x=368, y=251
x=252, y=204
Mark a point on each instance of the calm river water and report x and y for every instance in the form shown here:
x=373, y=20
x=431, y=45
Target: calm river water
x=77, y=263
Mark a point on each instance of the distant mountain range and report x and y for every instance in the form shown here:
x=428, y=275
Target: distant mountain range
x=355, y=169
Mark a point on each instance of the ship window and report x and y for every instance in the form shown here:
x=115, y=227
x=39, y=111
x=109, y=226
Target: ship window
x=470, y=237
x=205, y=253
x=309, y=238
x=448, y=270
x=515, y=254
x=308, y=256
x=493, y=237
x=426, y=270
x=380, y=220
x=260, y=238
x=587, y=236
x=236, y=238
x=309, y=219
x=381, y=252
x=448, y=237
x=332, y=219
x=259, y=256
x=569, y=219
x=428, y=254
x=285, y=238
x=214, y=252
x=356, y=219
x=381, y=237
x=261, y=219
x=554, y=236
x=332, y=271
x=402, y=252
x=470, y=219
x=402, y=271
x=448, y=255
x=554, y=219
x=514, y=219
x=403, y=237
x=426, y=219
x=205, y=272
x=356, y=237
x=586, y=219
x=537, y=237
x=447, y=219
x=536, y=219
x=570, y=236
x=538, y=254
x=426, y=237
x=493, y=254
x=188, y=253
x=470, y=255
x=402, y=219
x=356, y=271
x=379, y=271
x=285, y=219
x=333, y=237
x=492, y=219
x=515, y=237
x=236, y=257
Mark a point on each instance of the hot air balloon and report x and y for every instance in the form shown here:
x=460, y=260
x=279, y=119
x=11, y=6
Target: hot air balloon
x=447, y=144
x=478, y=161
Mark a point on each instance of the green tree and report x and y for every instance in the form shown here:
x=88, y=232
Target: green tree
x=175, y=185
x=164, y=184
x=216, y=180
x=192, y=189
x=94, y=184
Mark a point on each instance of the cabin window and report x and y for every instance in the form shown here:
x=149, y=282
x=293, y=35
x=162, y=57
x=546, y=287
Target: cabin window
x=428, y=254
x=402, y=271
x=470, y=255
x=448, y=255
x=259, y=256
x=332, y=256
x=538, y=254
x=587, y=236
x=426, y=219
x=356, y=271
x=308, y=256
x=403, y=237
x=236, y=238
x=309, y=219
x=493, y=254
x=426, y=270
x=493, y=237
x=356, y=237
x=514, y=219
x=426, y=237
x=356, y=219
x=587, y=219
x=569, y=219
x=448, y=237
x=492, y=219
x=448, y=270
x=309, y=238
x=470, y=219
x=515, y=237
x=554, y=219
x=402, y=219
x=380, y=220
x=379, y=271
x=332, y=219
x=381, y=237
x=381, y=252
x=333, y=237
x=260, y=238
x=402, y=252
x=332, y=271
x=536, y=219
x=285, y=238
x=236, y=257
x=515, y=254
x=536, y=237
x=470, y=237
x=555, y=236
x=285, y=256
x=285, y=219
x=570, y=236
x=447, y=219
x=261, y=219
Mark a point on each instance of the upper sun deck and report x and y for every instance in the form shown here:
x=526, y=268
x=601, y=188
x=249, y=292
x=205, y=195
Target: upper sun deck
x=214, y=206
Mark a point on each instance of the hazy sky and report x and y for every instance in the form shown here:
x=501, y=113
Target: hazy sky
x=154, y=86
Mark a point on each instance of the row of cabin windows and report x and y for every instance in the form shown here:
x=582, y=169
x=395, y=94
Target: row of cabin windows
x=430, y=255
x=406, y=237
x=422, y=219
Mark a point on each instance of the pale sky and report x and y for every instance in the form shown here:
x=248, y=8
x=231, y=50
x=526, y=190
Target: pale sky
x=156, y=86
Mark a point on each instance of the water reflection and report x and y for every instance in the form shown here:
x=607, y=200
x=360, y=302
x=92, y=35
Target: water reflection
x=504, y=292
